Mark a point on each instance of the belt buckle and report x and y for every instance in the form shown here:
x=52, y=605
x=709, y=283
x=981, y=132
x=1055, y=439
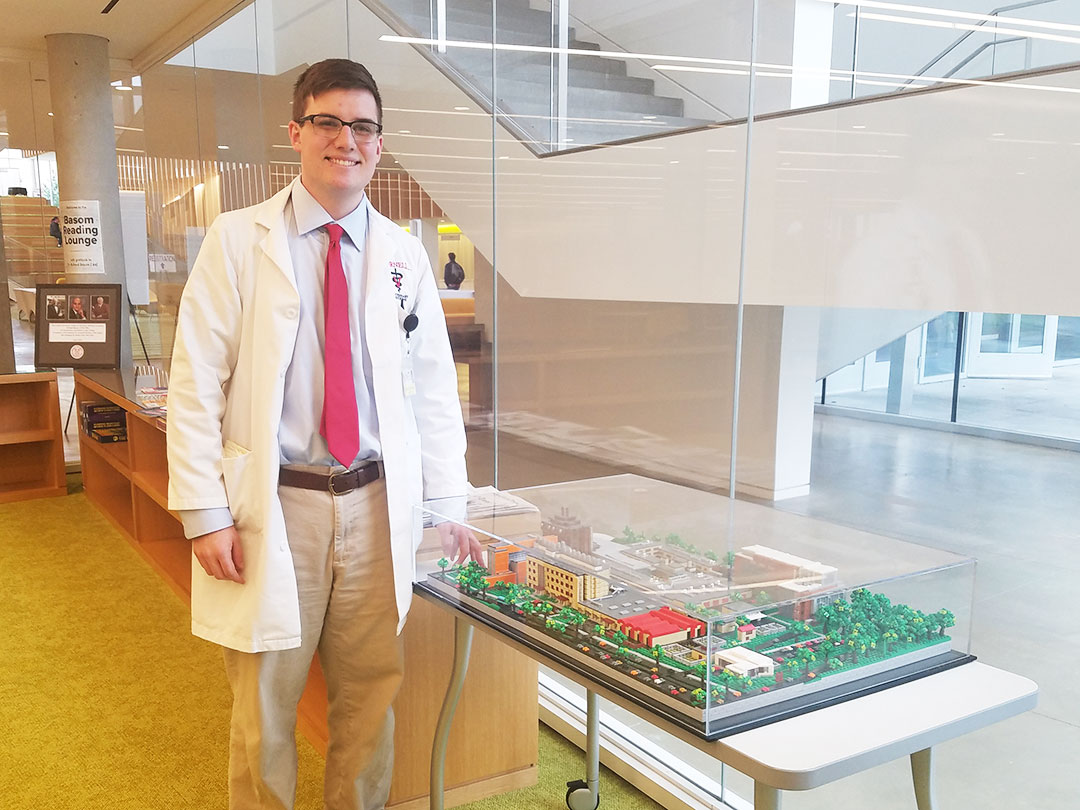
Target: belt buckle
x=336, y=477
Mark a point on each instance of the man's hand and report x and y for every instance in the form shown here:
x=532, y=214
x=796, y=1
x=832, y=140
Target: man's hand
x=458, y=540
x=220, y=554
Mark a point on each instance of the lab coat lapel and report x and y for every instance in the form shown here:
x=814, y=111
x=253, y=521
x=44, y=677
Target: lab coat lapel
x=275, y=243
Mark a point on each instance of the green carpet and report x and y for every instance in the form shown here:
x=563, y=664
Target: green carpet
x=107, y=701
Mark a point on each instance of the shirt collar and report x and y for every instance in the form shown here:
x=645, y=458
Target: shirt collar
x=310, y=215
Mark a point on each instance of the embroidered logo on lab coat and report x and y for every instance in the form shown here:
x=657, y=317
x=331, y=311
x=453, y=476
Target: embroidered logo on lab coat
x=397, y=273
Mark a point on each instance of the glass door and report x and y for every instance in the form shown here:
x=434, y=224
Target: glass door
x=1002, y=344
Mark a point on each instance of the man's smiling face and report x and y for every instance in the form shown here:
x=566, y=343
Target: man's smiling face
x=336, y=170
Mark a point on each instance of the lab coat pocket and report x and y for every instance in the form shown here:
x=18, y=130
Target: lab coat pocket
x=240, y=487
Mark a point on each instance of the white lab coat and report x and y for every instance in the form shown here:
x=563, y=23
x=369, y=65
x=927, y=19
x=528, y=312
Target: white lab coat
x=235, y=333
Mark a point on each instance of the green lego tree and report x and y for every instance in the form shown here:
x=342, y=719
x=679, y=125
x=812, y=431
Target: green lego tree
x=946, y=620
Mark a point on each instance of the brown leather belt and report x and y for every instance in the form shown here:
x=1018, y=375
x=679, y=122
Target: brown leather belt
x=335, y=483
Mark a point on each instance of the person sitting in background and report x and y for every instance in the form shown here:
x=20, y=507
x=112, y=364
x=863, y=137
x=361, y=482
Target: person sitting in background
x=54, y=230
x=453, y=274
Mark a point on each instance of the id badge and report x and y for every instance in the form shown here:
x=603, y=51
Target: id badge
x=408, y=382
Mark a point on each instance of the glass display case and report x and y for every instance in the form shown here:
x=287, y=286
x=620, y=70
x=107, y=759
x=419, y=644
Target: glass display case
x=719, y=615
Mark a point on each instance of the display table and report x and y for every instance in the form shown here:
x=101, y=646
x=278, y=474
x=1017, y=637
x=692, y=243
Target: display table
x=128, y=482
x=801, y=752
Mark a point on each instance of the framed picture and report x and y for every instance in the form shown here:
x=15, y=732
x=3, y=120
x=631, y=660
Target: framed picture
x=81, y=327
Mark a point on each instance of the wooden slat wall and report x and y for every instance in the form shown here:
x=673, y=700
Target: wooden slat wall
x=393, y=192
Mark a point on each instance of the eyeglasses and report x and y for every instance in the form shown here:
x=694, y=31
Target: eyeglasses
x=364, y=130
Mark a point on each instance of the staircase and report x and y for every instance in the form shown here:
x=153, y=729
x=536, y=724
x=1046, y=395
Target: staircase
x=603, y=103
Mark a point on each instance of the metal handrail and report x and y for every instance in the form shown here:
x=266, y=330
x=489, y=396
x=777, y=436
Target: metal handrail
x=966, y=34
x=978, y=51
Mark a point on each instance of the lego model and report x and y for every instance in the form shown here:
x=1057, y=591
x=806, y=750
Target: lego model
x=699, y=633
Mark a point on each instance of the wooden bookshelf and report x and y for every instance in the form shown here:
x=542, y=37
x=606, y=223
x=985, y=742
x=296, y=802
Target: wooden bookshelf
x=493, y=745
x=31, y=437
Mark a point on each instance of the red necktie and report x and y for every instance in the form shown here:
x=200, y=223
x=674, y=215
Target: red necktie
x=340, y=424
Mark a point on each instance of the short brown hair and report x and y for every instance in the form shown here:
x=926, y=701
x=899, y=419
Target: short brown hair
x=333, y=74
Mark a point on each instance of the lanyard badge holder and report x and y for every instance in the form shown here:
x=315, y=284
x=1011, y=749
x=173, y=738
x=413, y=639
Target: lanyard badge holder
x=407, y=380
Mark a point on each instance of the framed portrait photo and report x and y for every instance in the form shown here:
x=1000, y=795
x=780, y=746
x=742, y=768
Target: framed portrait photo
x=81, y=327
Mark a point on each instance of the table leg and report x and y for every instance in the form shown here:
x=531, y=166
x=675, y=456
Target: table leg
x=766, y=797
x=922, y=774
x=592, y=744
x=585, y=795
x=463, y=634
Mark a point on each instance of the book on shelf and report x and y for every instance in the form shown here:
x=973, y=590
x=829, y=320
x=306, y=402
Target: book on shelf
x=112, y=423
x=107, y=435
x=88, y=408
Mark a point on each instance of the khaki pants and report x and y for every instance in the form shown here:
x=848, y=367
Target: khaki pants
x=341, y=550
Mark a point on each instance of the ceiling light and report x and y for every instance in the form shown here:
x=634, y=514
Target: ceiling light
x=50, y=115
x=404, y=132
x=997, y=134
x=461, y=109
x=222, y=146
x=673, y=161
x=858, y=126
x=649, y=117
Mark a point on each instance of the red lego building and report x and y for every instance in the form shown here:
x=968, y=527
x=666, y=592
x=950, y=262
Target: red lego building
x=663, y=626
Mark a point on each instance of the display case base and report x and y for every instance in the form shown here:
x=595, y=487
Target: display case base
x=736, y=718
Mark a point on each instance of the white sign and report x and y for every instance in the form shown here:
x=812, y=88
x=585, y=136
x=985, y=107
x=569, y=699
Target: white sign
x=162, y=263
x=80, y=228
x=77, y=333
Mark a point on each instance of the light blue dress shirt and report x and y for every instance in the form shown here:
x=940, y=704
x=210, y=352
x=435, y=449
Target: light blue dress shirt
x=301, y=442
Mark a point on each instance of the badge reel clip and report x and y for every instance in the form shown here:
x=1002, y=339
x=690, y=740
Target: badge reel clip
x=408, y=382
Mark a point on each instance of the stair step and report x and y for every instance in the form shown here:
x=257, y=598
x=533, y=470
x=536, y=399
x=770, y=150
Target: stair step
x=479, y=62
x=539, y=74
x=583, y=101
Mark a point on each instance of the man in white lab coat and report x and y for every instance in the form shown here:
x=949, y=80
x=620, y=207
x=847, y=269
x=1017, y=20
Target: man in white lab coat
x=313, y=403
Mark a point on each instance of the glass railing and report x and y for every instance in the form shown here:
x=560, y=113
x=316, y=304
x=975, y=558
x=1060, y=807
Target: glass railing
x=571, y=73
x=896, y=47
x=561, y=81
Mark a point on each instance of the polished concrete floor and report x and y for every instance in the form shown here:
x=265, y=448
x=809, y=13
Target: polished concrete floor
x=1043, y=407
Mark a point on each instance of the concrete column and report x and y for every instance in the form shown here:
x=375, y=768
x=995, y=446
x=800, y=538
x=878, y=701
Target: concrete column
x=776, y=403
x=85, y=146
x=903, y=372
